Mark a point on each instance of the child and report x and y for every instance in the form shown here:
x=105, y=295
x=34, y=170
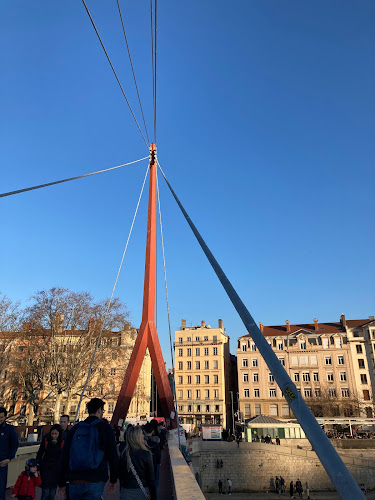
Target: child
x=24, y=489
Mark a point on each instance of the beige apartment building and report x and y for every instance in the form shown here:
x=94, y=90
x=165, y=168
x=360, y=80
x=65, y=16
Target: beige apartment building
x=202, y=367
x=332, y=365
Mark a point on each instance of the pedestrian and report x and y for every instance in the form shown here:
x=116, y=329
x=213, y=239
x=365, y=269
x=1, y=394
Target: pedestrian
x=27, y=481
x=48, y=457
x=239, y=439
x=277, y=485
x=64, y=424
x=229, y=482
x=154, y=444
x=308, y=491
x=137, y=477
x=282, y=485
x=291, y=489
x=220, y=486
x=8, y=449
x=299, y=488
x=88, y=451
x=277, y=441
x=117, y=433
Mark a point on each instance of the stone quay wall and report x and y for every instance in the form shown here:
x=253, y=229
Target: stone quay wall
x=253, y=467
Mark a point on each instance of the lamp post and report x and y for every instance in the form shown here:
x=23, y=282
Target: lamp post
x=231, y=397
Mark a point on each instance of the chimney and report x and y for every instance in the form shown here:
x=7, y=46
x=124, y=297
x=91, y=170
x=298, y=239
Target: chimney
x=221, y=323
x=261, y=326
x=316, y=324
x=203, y=324
x=371, y=318
x=91, y=324
x=59, y=318
x=183, y=324
x=287, y=322
x=343, y=320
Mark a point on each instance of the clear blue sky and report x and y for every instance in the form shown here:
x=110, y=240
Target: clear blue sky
x=265, y=129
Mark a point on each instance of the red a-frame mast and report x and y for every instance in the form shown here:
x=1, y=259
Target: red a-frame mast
x=147, y=336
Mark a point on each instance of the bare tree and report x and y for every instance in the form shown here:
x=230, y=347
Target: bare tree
x=9, y=314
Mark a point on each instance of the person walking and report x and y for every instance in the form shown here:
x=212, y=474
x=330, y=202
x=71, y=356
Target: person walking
x=137, y=476
x=308, y=491
x=229, y=482
x=89, y=450
x=64, y=424
x=277, y=441
x=8, y=449
x=299, y=488
x=291, y=489
x=48, y=457
x=154, y=443
x=220, y=484
x=282, y=485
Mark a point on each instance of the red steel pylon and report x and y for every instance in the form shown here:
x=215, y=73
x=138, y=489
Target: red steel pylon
x=147, y=336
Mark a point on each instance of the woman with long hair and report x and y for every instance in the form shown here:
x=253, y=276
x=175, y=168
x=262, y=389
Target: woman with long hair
x=48, y=457
x=137, y=479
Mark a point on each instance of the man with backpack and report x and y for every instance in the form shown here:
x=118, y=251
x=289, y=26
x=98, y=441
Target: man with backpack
x=8, y=449
x=88, y=451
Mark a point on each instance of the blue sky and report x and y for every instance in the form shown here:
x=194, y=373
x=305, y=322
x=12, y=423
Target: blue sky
x=265, y=129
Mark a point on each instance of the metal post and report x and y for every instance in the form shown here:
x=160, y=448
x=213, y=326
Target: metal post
x=331, y=461
x=231, y=397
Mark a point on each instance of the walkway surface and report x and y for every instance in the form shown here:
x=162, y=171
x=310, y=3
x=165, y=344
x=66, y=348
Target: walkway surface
x=315, y=495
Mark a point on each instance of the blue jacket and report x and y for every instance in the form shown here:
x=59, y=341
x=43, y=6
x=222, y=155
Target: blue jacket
x=8, y=441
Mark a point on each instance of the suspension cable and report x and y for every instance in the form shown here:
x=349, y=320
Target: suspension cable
x=168, y=311
x=10, y=193
x=114, y=72
x=155, y=34
x=152, y=63
x=131, y=64
x=110, y=301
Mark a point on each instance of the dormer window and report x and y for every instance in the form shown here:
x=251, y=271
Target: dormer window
x=325, y=342
x=302, y=344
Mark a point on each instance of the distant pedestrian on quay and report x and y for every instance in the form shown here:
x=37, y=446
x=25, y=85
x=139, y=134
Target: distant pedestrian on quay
x=299, y=488
x=220, y=486
x=277, y=485
x=277, y=440
x=308, y=491
x=291, y=489
x=229, y=486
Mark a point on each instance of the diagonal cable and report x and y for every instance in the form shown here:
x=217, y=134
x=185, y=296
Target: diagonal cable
x=18, y=191
x=155, y=34
x=114, y=72
x=110, y=301
x=131, y=64
x=152, y=63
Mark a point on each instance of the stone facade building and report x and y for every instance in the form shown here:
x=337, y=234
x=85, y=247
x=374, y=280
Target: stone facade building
x=332, y=365
x=202, y=374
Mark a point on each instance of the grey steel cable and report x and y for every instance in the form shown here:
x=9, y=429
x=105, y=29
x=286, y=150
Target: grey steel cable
x=155, y=34
x=153, y=64
x=114, y=72
x=131, y=64
x=18, y=191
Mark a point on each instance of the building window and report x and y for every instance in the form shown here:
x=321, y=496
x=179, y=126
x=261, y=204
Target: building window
x=254, y=362
x=317, y=392
x=216, y=393
x=244, y=363
x=307, y=392
x=180, y=408
x=207, y=408
x=246, y=393
x=257, y=410
x=215, y=351
x=197, y=351
x=328, y=360
x=330, y=377
x=113, y=371
x=189, y=352
x=306, y=376
x=197, y=365
x=244, y=347
x=205, y=337
x=198, y=393
x=256, y=393
x=189, y=339
x=214, y=338
x=331, y=392
x=282, y=361
x=198, y=408
x=197, y=379
x=245, y=377
x=338, y=342
x=302, y=344
x=359, y=348
x=363, y=378
x=217, y=408
x=340, y=360
x=111, y=407
x=296, y=377
x=325, y=343
x=313, y=360
x=345, y=393
x=295, y=360
x=255, y=377
x=180, y=380
x=180, y=365
x=189, y=394
x=272, y=393
x=206, y=379
x=216, y=379
x=271, y=378
x=247, y=411
x=206, y=365
x=285, y=411
x=343, y=376
x=180, y=394
x=180, y=352
x=206, y=351
x=253, y=347
x=189, y=365
x=273, y=410
x=280, y=346
x=189, y=379
x=366, y=395
x=180, y=340
x=316, y=376
x=207, y=394
x=361, y=363
x=189, y=408
x=304, y=360
x=216, y=364
x=197, y=339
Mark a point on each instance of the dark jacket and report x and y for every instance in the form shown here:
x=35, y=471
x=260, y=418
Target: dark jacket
x=106, y=443
x=142, y=461
x=153, y=442
x=8, y=441
x=48, y=458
